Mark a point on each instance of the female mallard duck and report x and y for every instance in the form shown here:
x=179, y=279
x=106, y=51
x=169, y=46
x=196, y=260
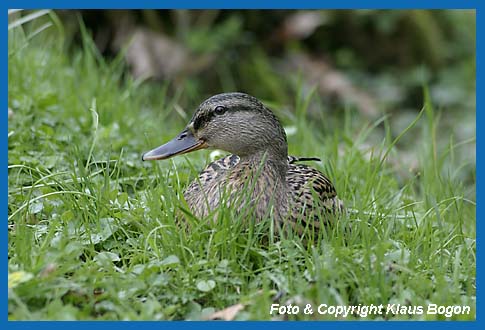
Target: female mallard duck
x=240, y=124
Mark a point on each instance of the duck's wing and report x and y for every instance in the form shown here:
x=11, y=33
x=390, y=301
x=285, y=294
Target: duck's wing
x=202, y=194
x=312, y=195
x=214, y=170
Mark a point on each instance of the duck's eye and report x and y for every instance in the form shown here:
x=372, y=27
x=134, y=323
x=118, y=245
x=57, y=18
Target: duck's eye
x=219, y=110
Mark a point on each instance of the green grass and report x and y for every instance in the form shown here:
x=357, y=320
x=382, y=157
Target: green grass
x=95, y=233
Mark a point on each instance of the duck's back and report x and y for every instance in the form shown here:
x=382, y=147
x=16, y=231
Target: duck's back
x=312, y=195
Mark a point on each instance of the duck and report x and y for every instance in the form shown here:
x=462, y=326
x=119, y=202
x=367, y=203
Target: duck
x=258, y=178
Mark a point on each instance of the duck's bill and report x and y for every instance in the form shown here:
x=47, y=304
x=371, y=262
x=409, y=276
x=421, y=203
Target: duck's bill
x=185, y=142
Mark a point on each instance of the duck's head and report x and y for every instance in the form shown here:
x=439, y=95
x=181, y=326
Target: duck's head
x=234, y=122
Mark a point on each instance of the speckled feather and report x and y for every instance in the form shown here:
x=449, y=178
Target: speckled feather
x=304, y=185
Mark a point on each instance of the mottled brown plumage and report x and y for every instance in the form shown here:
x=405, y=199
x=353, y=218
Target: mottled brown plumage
x=259, y=178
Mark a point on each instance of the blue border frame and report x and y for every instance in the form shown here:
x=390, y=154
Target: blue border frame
x=480, y=119
x=240, y=4
x=235, y=4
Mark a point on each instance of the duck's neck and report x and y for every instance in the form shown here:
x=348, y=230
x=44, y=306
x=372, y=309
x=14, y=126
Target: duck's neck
x=267, y=162
x=265, y=172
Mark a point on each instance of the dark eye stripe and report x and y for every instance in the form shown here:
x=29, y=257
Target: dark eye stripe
x=205, y=117
x=202, y=119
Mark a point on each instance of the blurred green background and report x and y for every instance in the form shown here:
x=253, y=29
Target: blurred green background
x=383, y=56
